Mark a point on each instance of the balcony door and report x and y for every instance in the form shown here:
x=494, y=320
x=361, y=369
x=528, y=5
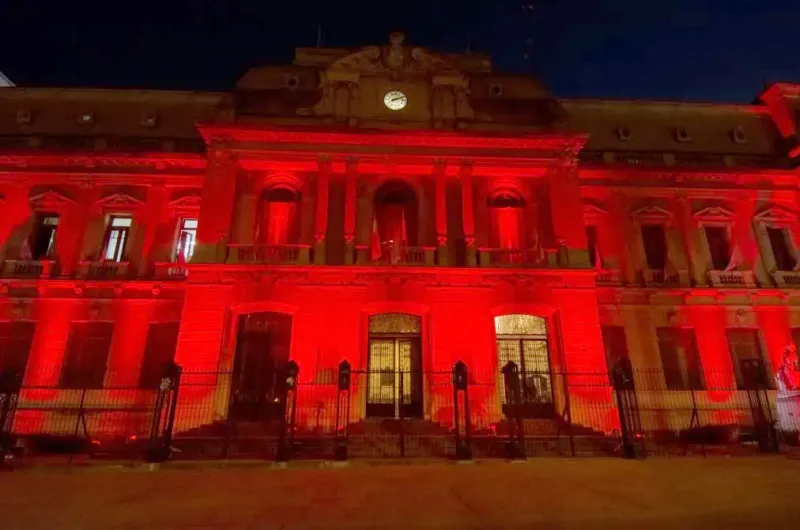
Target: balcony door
x=262, y=350
x=394, y=366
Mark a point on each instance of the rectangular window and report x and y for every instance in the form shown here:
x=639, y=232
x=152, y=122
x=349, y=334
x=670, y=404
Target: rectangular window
x=15, y=345
x=186, y=240
x=655, y=246
x=718, y=246
x=781, y=248
x=615, y=345
x=745, y=345
x=162, y=340
x=680, y=359
x=87, y=355
x=592, y=245
x=117, y=238
x=44, y=236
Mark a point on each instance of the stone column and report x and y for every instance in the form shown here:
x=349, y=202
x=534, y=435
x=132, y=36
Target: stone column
x=440, y=181
x=216, y=208
x=468, y=211
x=565, y=209
x=321, y=220
x=350, y=200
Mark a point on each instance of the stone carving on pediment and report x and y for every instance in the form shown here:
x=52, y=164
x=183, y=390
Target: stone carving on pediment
x=49, y=200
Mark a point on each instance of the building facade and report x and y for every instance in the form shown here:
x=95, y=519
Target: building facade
x=402, y=210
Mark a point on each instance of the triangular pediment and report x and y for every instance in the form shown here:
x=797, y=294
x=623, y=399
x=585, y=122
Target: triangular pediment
x=190, y=201
x=651, y=211
x=775, y=213
x=49, y=199
x=591, y=209
x=715, y=213
x=120, y=200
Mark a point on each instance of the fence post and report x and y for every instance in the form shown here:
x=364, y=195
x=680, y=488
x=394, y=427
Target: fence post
x=755, y=379
x=160, y=445
x=515, y=448
x=461, y=388
x=342, y=410
x=289, y=397
x=627, y=407
x=10, y=384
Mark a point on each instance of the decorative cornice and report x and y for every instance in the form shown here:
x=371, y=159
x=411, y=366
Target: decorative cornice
x=84, y=161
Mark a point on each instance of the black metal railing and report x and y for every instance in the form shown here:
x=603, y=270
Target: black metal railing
x=340, y=413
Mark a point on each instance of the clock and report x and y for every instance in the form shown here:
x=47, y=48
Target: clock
x=395, y=100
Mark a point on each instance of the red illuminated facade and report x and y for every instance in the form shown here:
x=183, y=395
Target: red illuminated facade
x=288, y=218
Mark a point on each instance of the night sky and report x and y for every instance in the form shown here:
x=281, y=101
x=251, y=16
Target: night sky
x=679, y=49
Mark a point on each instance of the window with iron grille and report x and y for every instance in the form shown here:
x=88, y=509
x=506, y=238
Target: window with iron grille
x=162, y=340
x=655, y=246
x=680, y=359
x=16, y=338
x=745, y=345
x=117, y=238
x=86, y=357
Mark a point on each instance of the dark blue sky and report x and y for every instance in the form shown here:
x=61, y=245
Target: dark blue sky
x=679, y=49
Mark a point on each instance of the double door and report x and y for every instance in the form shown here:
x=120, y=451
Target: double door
x=394, y=378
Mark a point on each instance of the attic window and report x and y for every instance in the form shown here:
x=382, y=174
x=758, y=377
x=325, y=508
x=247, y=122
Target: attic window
x=292, y=81
x=682, y=135
x=149, y=120
x=739, y=136
x=24, y=117
x=87, y=118
x=496, y=90
x=624, y=134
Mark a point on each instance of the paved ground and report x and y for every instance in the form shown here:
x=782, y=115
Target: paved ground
x=689, y=493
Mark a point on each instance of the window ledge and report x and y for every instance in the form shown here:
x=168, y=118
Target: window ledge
x=103, y=270
x=20, y=268
x=167, y=270
x=663, y=278
x=609, y=277
x=787, y=278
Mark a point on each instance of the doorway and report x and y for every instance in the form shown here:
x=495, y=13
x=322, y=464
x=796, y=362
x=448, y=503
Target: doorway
x=394, y=366
x=262, y=350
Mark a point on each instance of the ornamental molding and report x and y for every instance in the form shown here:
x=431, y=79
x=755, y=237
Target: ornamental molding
x=49, y=200
x=197, y=162
x=119, y=201
x=714, y=213
x=775, y=214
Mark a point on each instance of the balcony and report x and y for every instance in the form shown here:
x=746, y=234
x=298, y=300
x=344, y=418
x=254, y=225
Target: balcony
x=412, y=256
x=167, y=270
x=27, y=269
x=732, y=278
x=103, y=270
x=270, y=254
x=663, y=278
x=609, y=277
x=500, y=257
x=787, y=278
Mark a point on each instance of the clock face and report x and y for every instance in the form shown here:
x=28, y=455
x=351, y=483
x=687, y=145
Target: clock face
x=395, y=100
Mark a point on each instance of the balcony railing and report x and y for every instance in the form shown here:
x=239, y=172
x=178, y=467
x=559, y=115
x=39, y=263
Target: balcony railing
x=410, y=256
x=270, y=254
x=103, y=270
x=609, y=276
x=732, y=278
x=167, y=270
x=787, y=278
x=664, y=278
x=500, y=257
x=19, y=268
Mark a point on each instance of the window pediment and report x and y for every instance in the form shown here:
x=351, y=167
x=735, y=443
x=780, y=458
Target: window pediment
x=593, y=211
x=715, y=214
x=50, y=200
x=775, y=214
x=120, y=201
x=652, y=213
x=190, y=201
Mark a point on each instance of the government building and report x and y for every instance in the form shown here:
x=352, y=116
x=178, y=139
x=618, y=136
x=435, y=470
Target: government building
x=402, y=210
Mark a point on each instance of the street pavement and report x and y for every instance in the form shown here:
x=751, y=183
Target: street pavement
x=686, y=493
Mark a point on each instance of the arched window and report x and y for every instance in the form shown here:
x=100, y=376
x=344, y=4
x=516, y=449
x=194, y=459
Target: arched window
x=505, y=210
x=278, y=218
x=522, y=339
x=394, y=226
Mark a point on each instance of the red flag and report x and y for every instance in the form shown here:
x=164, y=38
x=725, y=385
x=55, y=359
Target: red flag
x=375, y=244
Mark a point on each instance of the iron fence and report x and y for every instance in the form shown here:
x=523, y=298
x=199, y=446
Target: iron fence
x=339, y=413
